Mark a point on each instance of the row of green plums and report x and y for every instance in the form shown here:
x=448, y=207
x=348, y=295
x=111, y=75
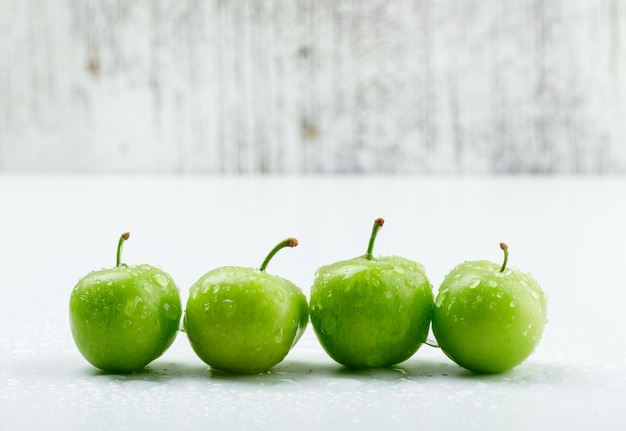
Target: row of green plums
x=366, y=312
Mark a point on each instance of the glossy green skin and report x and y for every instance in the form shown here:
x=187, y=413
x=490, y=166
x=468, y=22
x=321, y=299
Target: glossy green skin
x=243, y=320
x=371, y=313
x=124, y=318
x=487, y=321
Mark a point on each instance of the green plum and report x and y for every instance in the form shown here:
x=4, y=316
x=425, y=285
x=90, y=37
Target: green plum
x=371, y=312
x=124, y=317
x=244, y=320
x=488, y=318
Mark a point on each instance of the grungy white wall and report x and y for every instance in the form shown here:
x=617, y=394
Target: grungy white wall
x=409, y=86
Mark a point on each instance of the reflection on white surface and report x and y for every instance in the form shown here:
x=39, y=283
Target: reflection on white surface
x=567, y=232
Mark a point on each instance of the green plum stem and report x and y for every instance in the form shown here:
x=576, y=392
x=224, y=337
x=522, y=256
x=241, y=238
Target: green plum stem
x=289, y=242
x=432, y=343
x=378, y=223
x=505, y=249
x=120, y=244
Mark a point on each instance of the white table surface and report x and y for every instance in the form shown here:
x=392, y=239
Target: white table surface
x=570, y=233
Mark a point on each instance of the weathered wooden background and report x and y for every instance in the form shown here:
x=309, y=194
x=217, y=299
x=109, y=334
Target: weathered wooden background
x=238, y=86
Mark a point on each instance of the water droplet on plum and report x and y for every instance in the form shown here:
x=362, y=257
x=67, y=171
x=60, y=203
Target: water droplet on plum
x=493, y=283
x=280, y=295
x=132, y=305
x=513, y=304
x=443, y=295
x=451, y=304
x=279, y=336
x=328, y=327
x=171, y=311
x=477, y=301
x=161, y=280
x=474, y=283
x=351, y=270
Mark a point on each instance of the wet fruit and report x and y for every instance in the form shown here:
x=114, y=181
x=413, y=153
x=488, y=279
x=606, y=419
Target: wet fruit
x=489, y=318
x=371, y=312
x=124, y=317
x=244, y=320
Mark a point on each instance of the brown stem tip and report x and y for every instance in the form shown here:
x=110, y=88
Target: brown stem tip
x=379, y=221
x=504, y=248
x=291, y=242
x=120, y=243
